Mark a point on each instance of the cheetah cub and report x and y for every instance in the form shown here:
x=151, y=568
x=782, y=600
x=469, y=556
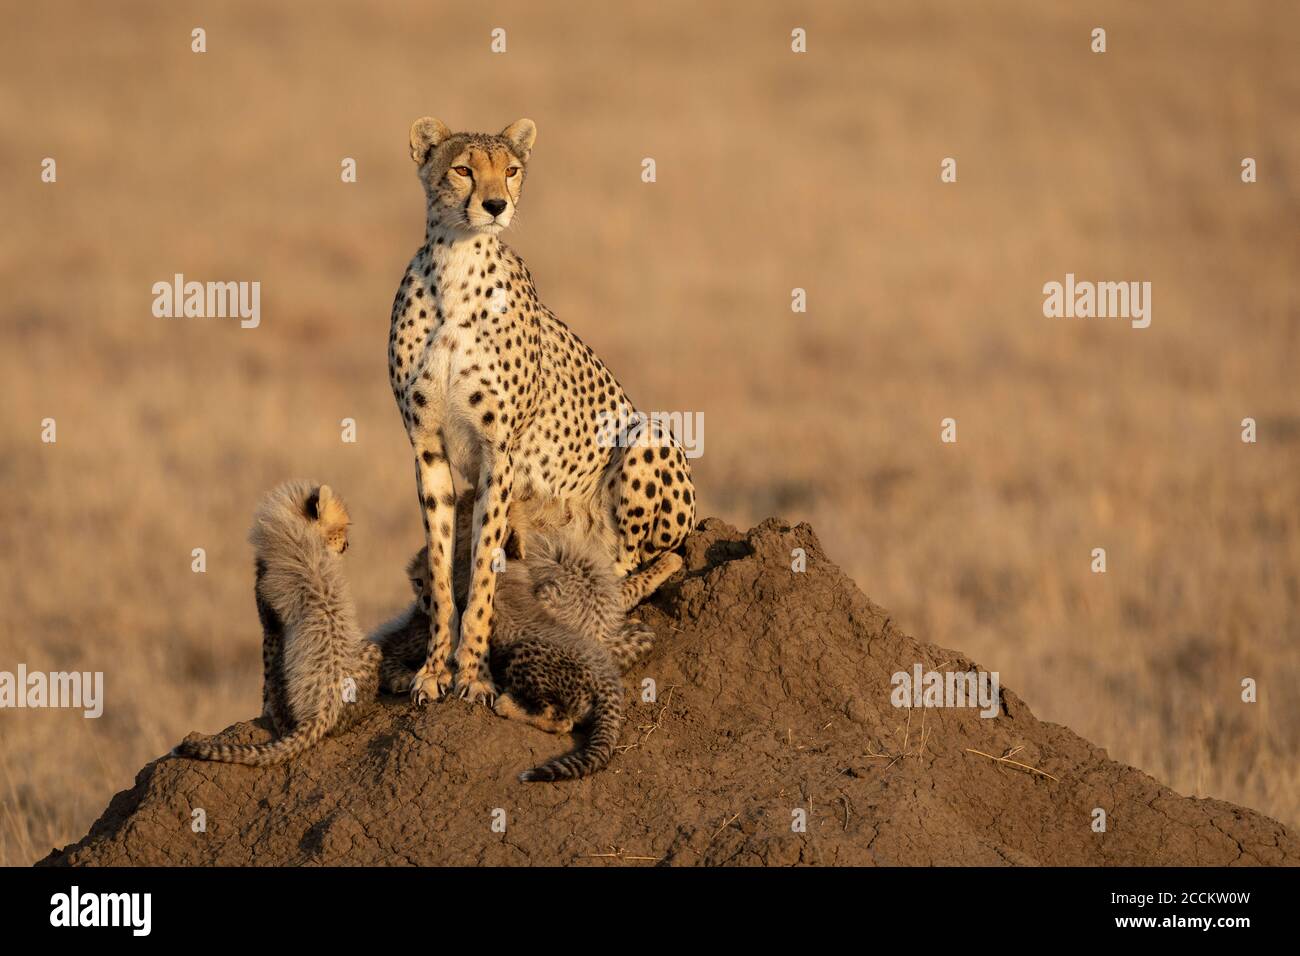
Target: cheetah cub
x=492, y=386
x=561, y=637
x=561, y=642
x=574, y=581
x=575, y=593
x=319, y=670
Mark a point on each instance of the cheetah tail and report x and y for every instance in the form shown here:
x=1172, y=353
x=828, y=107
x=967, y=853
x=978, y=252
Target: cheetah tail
x=599, y=748
x=260, y=755
x=637, y=587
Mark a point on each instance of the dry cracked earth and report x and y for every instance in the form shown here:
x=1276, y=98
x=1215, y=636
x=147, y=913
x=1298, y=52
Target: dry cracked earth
x=772, y=705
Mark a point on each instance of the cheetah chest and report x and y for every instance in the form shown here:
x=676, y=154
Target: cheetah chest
x=453, y=384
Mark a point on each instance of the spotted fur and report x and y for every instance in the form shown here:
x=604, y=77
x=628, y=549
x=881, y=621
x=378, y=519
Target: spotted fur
x=492, y=386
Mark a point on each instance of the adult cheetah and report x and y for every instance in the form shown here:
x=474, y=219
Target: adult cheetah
x=491, y=384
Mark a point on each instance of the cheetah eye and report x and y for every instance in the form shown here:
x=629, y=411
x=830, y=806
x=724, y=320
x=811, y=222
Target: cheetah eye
x=462, y=171
x=512, y=172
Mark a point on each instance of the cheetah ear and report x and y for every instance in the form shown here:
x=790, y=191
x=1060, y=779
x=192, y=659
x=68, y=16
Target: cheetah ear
x=419, y=561
x=426, y=133
x=521, y=134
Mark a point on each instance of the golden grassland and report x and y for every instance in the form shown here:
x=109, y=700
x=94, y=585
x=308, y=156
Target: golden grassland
x=775, y=171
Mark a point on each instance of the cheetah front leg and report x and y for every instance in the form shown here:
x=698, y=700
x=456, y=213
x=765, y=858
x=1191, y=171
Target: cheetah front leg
x=438, y=508
x=491, y=502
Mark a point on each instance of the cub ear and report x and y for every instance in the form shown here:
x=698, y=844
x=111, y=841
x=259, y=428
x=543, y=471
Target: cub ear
x=426, y=133
x=415, y=568
x=521, y=134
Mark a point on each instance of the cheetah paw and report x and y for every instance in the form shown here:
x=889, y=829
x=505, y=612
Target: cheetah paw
x=429, y=685
x=478, y=690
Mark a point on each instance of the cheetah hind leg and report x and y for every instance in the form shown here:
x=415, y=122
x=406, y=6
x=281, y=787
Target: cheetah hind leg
x=632, y=643
x=655, y=508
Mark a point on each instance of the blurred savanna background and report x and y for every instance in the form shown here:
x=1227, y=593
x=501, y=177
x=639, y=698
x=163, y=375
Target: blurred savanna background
x=775, y=171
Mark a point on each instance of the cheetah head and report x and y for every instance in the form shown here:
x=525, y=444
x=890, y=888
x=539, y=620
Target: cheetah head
x=417, y=572
x=327, y=509
x=472, y=181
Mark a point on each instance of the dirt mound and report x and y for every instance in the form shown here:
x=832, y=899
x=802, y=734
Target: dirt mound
x=773, y=706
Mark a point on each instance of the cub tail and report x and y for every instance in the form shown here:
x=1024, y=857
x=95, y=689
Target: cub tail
x=260, y=755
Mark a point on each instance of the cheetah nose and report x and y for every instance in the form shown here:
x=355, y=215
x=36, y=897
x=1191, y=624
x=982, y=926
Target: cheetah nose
x=494, y=206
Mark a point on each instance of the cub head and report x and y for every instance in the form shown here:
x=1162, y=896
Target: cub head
x=417, y=572
x=472, y=181
x=326, y=508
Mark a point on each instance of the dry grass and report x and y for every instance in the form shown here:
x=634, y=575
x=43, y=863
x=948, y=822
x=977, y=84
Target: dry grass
x=775, y=171
x=646, y=730
x=1006, y=759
